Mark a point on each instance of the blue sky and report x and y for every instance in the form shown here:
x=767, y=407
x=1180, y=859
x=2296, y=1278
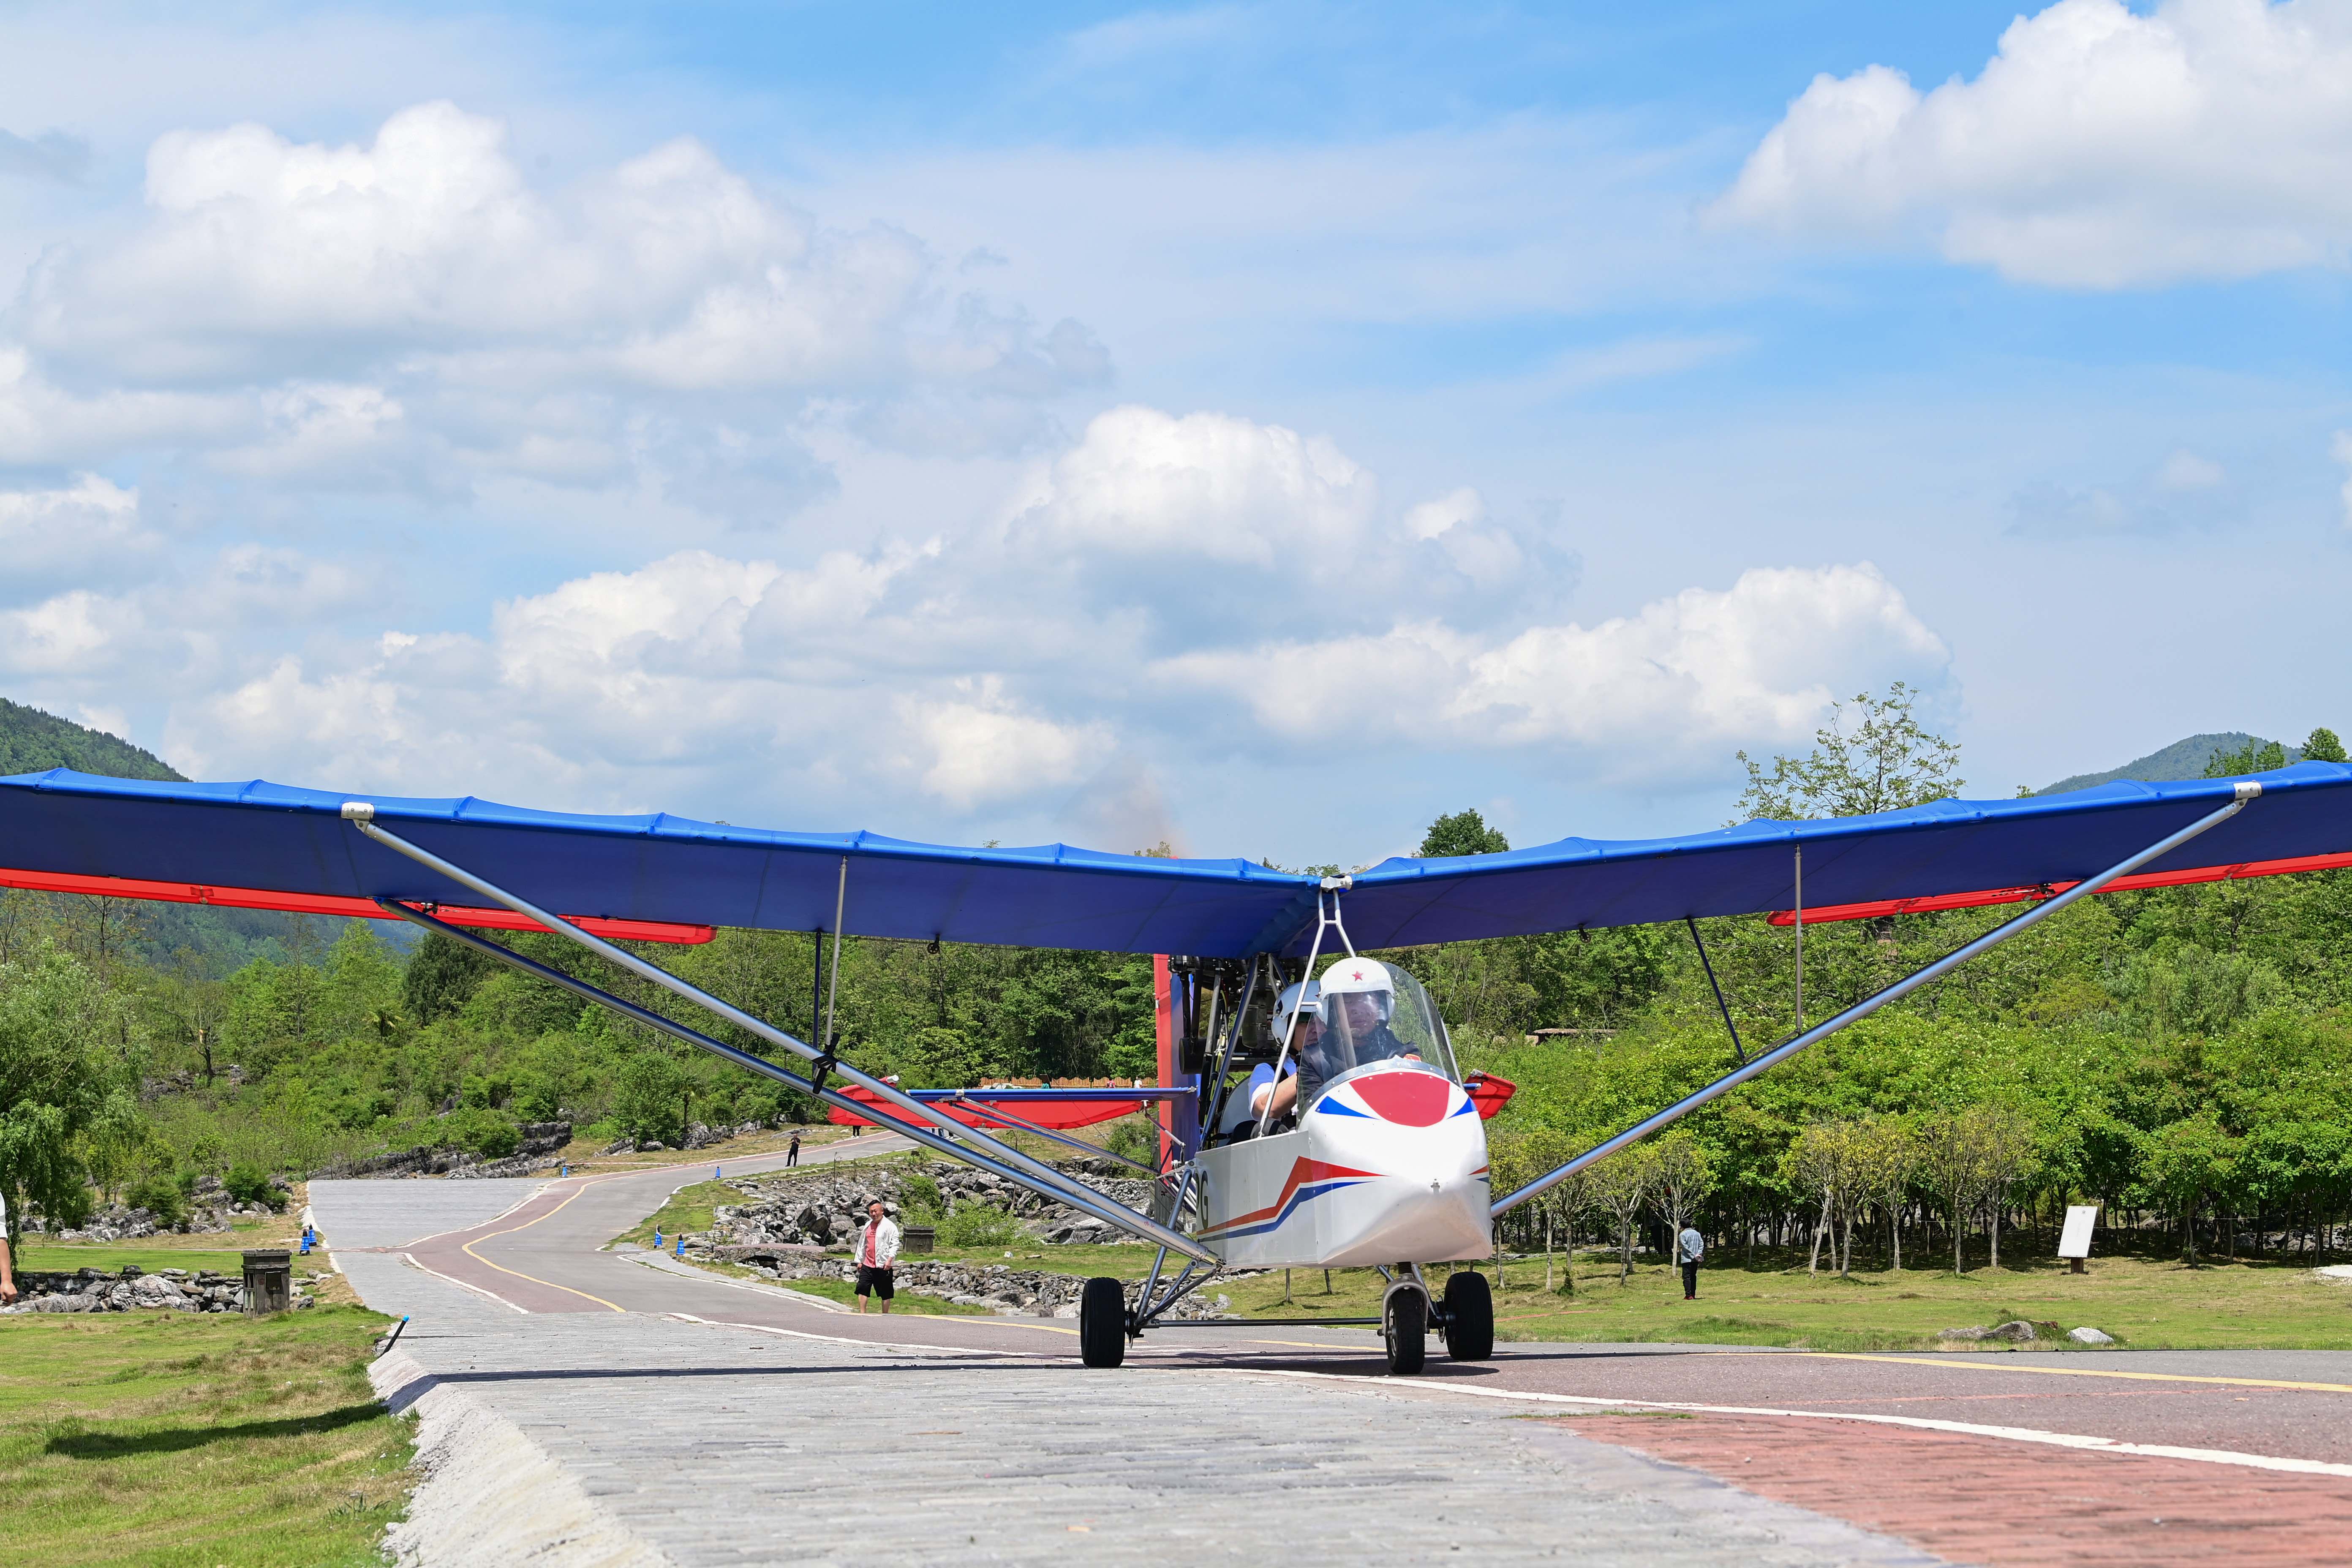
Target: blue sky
x=1259, y=427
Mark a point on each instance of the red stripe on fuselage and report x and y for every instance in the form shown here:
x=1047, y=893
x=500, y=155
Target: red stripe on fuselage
x=1302, y=1170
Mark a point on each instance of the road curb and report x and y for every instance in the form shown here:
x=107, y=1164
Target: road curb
x=489, y=1496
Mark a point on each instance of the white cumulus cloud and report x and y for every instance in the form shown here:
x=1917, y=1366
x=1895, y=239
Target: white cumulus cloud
x=2100, y=148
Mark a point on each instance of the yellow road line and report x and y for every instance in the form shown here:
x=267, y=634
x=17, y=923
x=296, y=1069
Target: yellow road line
x=2069, y=1371
x=469, y=1250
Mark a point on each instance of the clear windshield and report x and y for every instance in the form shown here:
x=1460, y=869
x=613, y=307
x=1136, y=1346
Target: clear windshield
x=1368, y=1012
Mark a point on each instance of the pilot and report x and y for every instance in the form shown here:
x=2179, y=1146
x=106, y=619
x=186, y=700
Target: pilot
x=1358, y=1000
x=1249, y=1107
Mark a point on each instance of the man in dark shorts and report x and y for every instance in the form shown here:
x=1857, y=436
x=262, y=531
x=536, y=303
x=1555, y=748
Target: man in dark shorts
x=877, y=1254
x=793, y=1150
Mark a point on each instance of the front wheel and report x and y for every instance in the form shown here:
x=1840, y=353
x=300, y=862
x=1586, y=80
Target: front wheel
x=1102, y=1322
x=1405, y=1326
x=1469, y=1318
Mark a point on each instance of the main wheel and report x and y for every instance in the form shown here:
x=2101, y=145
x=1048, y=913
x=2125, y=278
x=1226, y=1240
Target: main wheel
x=1405, y=1326
x=1469, y=1318
x=1102, y=1323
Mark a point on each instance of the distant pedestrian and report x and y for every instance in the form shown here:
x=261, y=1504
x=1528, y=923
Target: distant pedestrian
x=7, y=1276
x=877, y=1255
x=1689, y=1247
x=793, y=1150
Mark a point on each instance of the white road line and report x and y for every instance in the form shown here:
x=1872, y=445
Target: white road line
x=1929, y=1423
x=450, y=1279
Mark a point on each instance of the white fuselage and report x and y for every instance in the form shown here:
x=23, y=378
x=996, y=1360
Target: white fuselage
x=1388, y=1165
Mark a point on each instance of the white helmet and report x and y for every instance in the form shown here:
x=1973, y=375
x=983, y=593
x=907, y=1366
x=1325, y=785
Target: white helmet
x=1367, y=977
x=1307, y=994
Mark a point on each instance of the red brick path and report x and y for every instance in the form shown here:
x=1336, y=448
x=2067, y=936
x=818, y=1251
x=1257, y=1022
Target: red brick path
x=2008, y=1504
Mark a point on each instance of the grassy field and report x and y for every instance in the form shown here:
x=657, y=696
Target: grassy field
x=171, y=1438
x=2147, y=1304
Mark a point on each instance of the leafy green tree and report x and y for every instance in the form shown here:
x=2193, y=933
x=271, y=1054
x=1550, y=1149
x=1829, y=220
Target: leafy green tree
x=1873, y=755
x=66, y=1077
x=1463, y=832
x=441, y=975
x=2189, y=1163
x=2322, y=746
x=649, y=1099
x=2253, y=757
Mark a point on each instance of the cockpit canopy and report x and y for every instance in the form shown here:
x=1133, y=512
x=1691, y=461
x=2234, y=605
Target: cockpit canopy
x=1366, y=1011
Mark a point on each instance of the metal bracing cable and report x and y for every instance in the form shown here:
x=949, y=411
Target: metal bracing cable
x=2246, y=792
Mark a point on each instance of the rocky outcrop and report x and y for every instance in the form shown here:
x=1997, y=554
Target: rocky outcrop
x=822, y=1206
x=540, y=1140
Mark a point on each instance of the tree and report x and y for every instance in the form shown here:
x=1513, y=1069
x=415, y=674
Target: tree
x=1683, y=1172
x=1823, y=1161
x=2253, y=757
x=649, y=1097
x=66, y=1081
x=2006, y=1146
x=1463, y=832
x=1954, y=1167
x=1888, y=1158
x=1884, y=759
x=2322, y=746
x=1621, y=1188
x=2185, y=1164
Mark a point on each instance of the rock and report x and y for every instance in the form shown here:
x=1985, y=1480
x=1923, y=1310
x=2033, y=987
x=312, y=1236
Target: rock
x=622, y=1146
x=2017, y=1331
x=2090, y=1337
x=1969, y=1335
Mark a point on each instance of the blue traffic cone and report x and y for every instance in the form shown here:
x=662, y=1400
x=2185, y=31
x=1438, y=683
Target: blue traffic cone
x=682, y=1244
x=657, y=1238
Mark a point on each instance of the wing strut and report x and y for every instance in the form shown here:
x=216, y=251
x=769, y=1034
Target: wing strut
x=2247, y=790
x=952, y=1136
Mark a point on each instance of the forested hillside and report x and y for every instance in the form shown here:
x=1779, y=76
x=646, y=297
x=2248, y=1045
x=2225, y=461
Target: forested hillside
x=2182, y=1054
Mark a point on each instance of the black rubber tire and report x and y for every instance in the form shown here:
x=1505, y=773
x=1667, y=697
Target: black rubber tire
x=1102, y=1322
x=1469, y=1318
x=1405, y=1326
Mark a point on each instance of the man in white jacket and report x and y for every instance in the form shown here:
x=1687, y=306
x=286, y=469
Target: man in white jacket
x=877, y=1254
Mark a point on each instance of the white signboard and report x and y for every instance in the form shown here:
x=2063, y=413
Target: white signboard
x=2075, y=1241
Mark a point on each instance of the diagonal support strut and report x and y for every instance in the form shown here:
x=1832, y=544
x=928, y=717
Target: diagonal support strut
x=1102, y=1208
x=958, y=1138
x=2246, y=791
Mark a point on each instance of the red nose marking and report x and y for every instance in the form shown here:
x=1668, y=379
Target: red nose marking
x=1408, y=1098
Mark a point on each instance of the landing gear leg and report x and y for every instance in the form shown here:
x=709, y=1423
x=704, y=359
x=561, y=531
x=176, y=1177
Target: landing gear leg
x=1404, y=1325
x=1102, y=1322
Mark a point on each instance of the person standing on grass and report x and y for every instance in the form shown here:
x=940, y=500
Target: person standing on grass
x=1689, y=1247
x=793, y=1150
x=7, y=1265
x=878, y=1253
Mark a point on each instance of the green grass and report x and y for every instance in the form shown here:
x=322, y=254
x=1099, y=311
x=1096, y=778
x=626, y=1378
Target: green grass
x=167, y=1439
x=2146, y=1304
x=168, y=1250
x=687, y=1209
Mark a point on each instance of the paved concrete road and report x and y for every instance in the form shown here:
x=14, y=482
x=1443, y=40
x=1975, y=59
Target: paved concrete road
x=973, y=1411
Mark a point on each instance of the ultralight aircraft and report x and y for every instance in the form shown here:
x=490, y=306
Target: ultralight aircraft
x=1311, y=1111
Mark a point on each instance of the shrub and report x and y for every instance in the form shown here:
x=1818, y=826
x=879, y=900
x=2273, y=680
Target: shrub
x=481, y=1132
x=250, y=1184
x=918, y=1194
x=160, y=1197
x=977, y=1225
x=1137, y=1137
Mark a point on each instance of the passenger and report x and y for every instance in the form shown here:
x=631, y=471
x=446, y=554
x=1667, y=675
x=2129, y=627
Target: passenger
x=1248, y=1108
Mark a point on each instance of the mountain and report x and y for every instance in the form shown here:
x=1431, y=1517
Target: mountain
x=218, y=940
x=2182, y=759
x=32, y=741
